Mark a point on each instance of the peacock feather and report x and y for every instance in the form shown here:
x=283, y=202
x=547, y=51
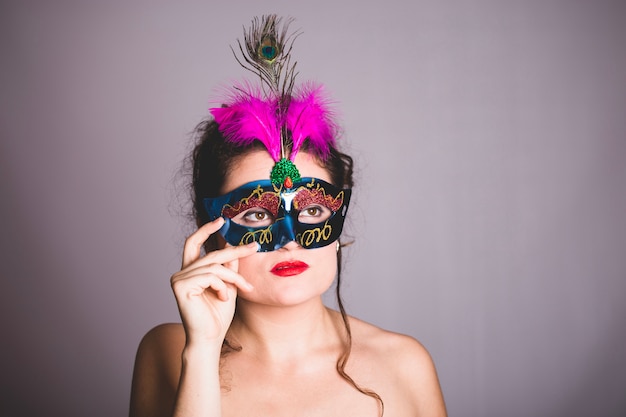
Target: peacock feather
x=267, y=53
x=281, y=118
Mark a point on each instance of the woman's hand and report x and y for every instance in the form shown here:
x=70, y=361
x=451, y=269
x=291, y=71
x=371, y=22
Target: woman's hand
x=206, y=286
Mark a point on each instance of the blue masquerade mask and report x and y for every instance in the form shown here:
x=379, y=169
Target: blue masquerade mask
x=311, y=212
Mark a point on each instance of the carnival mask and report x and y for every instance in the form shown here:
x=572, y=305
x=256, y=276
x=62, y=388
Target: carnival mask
x=311, y=212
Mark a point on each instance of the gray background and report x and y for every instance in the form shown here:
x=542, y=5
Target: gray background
x=489, y=215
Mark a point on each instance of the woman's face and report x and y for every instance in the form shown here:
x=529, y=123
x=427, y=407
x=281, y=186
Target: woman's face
x=291, y=274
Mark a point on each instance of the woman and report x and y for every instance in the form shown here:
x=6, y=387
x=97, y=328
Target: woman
x=255, y=338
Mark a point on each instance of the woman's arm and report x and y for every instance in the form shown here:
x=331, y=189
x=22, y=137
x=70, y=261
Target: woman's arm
x=177, y=371
x=171, y=379
x=199, y=389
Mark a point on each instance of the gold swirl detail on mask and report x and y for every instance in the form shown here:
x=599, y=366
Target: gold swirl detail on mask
x=308, y=237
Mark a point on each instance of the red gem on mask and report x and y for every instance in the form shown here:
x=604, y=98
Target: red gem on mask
x=288, y=183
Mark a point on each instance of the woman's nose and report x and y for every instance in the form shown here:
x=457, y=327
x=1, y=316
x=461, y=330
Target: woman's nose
x=291, y=246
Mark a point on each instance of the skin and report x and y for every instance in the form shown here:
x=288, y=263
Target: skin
x=290, y=341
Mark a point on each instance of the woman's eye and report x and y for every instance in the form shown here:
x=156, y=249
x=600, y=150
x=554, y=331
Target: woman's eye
x=254, y=217
x=258, y=216
x=313, y=211
x=314, y=214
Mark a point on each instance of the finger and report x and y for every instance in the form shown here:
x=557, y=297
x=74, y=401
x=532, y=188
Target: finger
x=193, y=244
x=192, y=288
x=221, y=271
x=221, y=290
x=231, y=253
x=225, y=255
x=233, y=265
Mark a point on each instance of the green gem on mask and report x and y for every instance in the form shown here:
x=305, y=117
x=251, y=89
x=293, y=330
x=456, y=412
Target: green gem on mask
x=285, y=172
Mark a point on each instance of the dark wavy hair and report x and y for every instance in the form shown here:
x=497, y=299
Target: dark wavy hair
x=212, y=158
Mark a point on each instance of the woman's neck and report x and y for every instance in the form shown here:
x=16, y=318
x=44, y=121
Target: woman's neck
x=283, y=333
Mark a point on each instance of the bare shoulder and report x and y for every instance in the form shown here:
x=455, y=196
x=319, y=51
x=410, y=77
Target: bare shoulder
x=157, y=370
x=404, y=363
x=388, y=346
x=163, y=336
x=161, y=348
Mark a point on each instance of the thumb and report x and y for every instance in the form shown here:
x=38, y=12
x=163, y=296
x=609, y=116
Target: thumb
x=233, y=265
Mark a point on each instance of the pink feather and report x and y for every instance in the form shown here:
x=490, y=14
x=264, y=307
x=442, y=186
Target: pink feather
x=248, y=118
x=310, y=118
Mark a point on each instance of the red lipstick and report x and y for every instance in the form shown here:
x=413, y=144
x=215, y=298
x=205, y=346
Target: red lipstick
x=289, y=268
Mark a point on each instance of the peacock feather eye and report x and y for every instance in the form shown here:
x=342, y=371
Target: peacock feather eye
x=268, y=48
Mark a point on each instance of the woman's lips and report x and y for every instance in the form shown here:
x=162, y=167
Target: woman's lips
x=290, y=268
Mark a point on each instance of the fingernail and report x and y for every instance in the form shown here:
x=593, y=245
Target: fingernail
x=256, y=245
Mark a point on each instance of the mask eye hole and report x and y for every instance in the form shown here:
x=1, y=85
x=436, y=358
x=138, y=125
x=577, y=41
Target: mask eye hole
x=254, y=217
x=313, y=214
x=258, y=209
